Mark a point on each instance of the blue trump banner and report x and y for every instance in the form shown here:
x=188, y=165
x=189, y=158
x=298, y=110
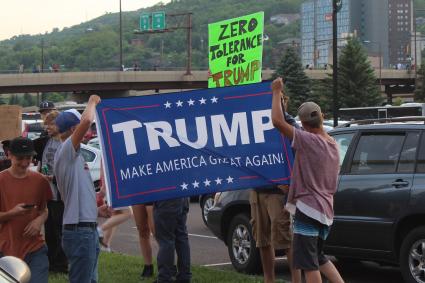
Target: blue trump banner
x=190, y=143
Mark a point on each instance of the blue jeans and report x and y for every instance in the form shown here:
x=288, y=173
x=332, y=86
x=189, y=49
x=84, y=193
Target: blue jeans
x=171, y=233
x=81, y=247
x=39, y=265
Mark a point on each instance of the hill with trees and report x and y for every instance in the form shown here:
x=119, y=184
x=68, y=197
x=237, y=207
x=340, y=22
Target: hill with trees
x=94, y=44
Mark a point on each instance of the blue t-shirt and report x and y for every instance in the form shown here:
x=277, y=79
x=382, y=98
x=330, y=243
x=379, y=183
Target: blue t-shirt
x=75, y=185
x=48, y=161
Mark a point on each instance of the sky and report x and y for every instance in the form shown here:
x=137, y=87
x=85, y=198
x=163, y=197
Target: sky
x=38, y=16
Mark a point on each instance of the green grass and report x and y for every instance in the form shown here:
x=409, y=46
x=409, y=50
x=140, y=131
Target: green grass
x=114, y=267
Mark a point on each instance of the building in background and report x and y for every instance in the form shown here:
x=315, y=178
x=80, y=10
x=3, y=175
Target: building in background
x=400, y=20
x=316, y=31
x=385, y=27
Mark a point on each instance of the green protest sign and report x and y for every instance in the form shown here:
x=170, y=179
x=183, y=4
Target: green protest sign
x=235, y=51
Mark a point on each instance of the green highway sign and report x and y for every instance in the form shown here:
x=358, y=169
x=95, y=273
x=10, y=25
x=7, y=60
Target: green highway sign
x=145, y=22
x=158, y=20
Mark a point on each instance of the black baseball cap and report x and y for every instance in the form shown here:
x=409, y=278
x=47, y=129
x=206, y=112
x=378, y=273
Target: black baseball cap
x=46, y=105
x=21, y=146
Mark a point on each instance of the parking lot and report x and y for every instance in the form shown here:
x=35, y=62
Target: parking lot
x=207, y=250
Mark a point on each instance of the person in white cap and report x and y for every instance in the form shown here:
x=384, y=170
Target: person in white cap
x=310, y=197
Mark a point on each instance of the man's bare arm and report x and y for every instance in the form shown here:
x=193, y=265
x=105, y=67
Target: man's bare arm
x=34, y=227
x=278, y=119
x=86, y=119
x=16, y=211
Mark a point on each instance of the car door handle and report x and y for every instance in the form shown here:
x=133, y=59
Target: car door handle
x=400, y=183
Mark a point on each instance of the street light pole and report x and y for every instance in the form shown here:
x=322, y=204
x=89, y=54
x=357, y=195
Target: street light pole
x=416, y=53
x=121, y=68
x=335, y=61
x=415, y=39
x=380, y=65
x=189, y=44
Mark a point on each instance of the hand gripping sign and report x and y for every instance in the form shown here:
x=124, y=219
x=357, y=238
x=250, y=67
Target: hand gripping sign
x=190, y=143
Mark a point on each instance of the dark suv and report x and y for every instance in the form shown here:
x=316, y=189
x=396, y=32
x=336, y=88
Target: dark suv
x=379, y=206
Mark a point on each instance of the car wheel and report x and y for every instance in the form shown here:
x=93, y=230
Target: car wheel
x=412, y=256
x=244, y=255
x=207, y=203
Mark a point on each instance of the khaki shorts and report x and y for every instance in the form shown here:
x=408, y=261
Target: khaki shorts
x=271, y=222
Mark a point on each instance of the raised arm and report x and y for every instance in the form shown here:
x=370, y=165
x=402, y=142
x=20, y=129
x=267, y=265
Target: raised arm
x=86, y=119
x=278, y=119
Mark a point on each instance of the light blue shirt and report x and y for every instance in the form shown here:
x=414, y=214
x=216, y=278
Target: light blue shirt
x=75, y=185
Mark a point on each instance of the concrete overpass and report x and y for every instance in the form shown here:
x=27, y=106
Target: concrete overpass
x=117, y=83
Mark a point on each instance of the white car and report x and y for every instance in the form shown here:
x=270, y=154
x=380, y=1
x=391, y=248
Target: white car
x=92, y=156
x=94, y=142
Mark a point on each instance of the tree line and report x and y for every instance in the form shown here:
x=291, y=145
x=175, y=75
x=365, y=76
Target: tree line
x=356, y=81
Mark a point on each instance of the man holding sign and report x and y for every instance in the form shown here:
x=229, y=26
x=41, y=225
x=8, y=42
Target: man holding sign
x=311, y=193
x=271, y=223
x=80, y=240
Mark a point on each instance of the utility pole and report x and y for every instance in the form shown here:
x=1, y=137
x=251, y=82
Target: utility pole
x=315, y=35
x=189, y=44
x=335, y=61
x=416, y=53
x=42, y=55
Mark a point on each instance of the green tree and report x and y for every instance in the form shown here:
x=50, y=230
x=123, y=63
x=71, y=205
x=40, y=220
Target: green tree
x=13, y=100
x=322, y=95
x=55, y=97
x=398, y=101
x=28, y=100
x=420, y=90
x=297, y=84
x=356, y=78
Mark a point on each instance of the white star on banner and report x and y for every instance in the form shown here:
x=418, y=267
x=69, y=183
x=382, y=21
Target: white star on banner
x=218, y=181
x=179, y=103
x=229, y=180
x=207, y=183
x=184, y=186
x=167, y=105
x=214, y=99
x=191, y=102
x=202, y=100
x=195, y=184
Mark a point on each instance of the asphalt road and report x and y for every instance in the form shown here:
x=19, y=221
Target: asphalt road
x=207, y=250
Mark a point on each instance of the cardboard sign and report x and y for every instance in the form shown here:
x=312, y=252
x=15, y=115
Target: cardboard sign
x=10, y=121
x=191, y=143
x=235, y=51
